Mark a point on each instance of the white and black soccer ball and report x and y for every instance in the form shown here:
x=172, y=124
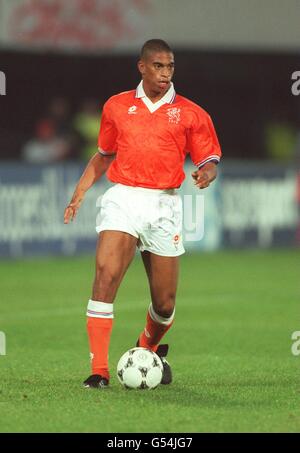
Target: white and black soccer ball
x=140, y=368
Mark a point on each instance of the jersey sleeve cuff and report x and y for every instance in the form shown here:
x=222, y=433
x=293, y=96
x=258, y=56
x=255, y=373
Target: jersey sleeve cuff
x=213, y=158
x=106, y=153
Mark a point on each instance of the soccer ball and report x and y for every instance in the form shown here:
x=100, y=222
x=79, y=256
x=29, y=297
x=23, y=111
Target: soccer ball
x=140, y=368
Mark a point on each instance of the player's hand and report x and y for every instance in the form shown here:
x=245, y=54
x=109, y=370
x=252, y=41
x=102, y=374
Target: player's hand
x=205, y=175
x=72, y=208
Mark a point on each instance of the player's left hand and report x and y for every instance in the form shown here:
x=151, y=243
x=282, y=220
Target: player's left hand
x=205, y=175
x=72, y=208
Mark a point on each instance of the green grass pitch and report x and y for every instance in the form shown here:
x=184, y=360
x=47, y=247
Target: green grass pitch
x=230, y=347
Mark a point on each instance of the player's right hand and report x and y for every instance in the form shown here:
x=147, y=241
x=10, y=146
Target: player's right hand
x=72, y=208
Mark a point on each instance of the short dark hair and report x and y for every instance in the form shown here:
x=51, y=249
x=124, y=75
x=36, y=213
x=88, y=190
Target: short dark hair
x=155, y=45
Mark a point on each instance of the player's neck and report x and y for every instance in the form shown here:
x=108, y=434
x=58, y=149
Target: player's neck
x=153, y=95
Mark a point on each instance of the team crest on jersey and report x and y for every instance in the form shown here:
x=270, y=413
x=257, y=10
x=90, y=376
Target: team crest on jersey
x=174, y=115
x=132, y=110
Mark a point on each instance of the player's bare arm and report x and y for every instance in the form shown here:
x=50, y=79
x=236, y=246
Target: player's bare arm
x=205, y=175
x=96, y=167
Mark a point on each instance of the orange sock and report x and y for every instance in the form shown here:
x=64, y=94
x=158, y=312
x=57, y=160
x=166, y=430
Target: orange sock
x=155, y=329
x=99, y=327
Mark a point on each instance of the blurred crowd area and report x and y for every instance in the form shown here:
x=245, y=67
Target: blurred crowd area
x=282, y=141
x=64, y=134
x=52, y=109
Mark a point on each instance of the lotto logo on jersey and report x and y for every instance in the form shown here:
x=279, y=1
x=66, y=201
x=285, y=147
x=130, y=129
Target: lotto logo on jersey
x=132, y=110
x=174, y=115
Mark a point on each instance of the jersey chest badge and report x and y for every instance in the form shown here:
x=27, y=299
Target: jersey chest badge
x=174, y=115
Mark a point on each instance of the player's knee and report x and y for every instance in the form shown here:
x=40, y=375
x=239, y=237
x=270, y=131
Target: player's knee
x=165, y=307
x=166, y=312
x=105, y=277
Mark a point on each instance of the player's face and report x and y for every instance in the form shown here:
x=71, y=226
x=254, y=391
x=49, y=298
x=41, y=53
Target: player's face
x=157, y=70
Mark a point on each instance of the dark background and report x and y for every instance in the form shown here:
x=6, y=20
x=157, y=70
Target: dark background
x=241, y=91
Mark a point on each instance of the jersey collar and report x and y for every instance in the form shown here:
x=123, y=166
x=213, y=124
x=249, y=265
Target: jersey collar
x=168, y=98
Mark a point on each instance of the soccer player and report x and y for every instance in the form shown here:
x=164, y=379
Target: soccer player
x=144, y=137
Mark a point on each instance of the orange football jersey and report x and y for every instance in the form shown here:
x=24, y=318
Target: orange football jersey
x=150, y=147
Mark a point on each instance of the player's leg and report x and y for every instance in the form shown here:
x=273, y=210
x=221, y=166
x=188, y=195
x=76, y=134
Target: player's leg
x=162, y=274
x=115, y=251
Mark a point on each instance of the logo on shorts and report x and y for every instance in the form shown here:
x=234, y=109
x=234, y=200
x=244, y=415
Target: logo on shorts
x=174, y=115
x=176, y=240
x=132, y=110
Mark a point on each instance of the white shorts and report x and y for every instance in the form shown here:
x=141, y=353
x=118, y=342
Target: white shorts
x=153, y=216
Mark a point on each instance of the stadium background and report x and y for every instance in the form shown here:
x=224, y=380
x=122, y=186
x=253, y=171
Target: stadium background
x=61, y=60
